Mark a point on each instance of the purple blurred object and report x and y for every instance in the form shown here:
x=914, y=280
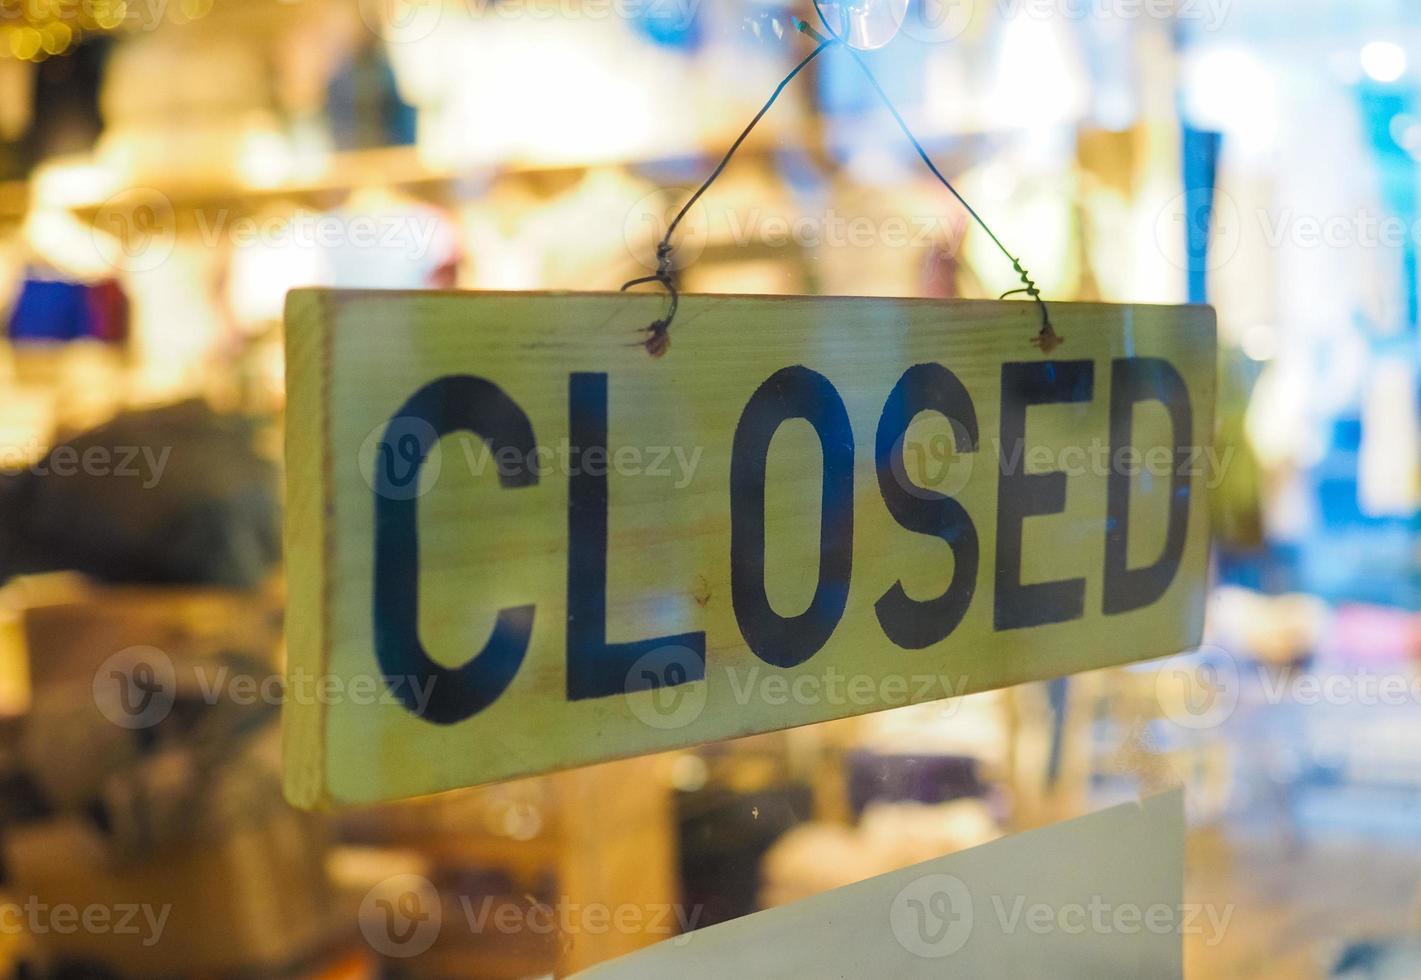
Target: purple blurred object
x=912, y=778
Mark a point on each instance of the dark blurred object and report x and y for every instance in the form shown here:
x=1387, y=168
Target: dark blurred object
x=71, y=624
x=364, y=104
x=178, y=812
x=173, y=495
x=66, y=117
x=17, y=80
x=188, y=773
x=724, y=834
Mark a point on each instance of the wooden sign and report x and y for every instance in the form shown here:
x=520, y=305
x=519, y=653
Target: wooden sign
x=516, y=542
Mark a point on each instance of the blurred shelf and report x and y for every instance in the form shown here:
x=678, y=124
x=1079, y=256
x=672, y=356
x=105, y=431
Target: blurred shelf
x=398, y=166
x=347, y=171
x=183, y=196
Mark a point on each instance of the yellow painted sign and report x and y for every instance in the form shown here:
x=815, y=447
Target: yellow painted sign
x=518, y=543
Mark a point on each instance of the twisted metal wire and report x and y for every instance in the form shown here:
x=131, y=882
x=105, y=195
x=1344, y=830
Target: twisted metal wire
x=658, y=339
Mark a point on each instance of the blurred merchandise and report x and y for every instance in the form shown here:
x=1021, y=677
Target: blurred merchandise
x=725, y=837
x=364, y=103
x=814, y=858
x=199, y=505
x=1378, y=961
x=168, y=172
x=53, y=309
x=149, y=815
x=1236, y=501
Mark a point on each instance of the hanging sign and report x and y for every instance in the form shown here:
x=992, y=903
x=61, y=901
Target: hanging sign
x=517, y=542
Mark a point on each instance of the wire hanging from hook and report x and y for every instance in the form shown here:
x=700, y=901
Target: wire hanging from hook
x=658, y=339
x=1047, y=338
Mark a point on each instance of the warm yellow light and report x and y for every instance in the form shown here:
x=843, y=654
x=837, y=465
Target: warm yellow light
x=71, y=182
x=55, y=38
x=25, y=43
x=113, y=17
x=265, y=160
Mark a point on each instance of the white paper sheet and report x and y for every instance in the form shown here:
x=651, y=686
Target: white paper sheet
x=1094, y=898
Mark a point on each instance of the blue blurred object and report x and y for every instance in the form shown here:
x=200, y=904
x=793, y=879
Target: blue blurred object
x=1379, y=960
x=1352, y=556
x=670, y=23
x=50, y=310
x=364, y=104
x=59, y=310
x=1201, y=166
x=1381, y=106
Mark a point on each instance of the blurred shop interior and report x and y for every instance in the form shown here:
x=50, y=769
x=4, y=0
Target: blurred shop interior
x=169, y=170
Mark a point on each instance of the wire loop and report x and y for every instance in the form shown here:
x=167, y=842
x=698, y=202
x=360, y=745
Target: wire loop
x=658, y=339
x=1046, y=339
x=658, y=333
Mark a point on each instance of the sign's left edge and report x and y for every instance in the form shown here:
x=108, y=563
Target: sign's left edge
x=307, y=540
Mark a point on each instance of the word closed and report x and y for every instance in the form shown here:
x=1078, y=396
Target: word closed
x=552, y=549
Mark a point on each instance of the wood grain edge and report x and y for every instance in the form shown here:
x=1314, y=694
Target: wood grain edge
x=308, y=465
x=1209, y=324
